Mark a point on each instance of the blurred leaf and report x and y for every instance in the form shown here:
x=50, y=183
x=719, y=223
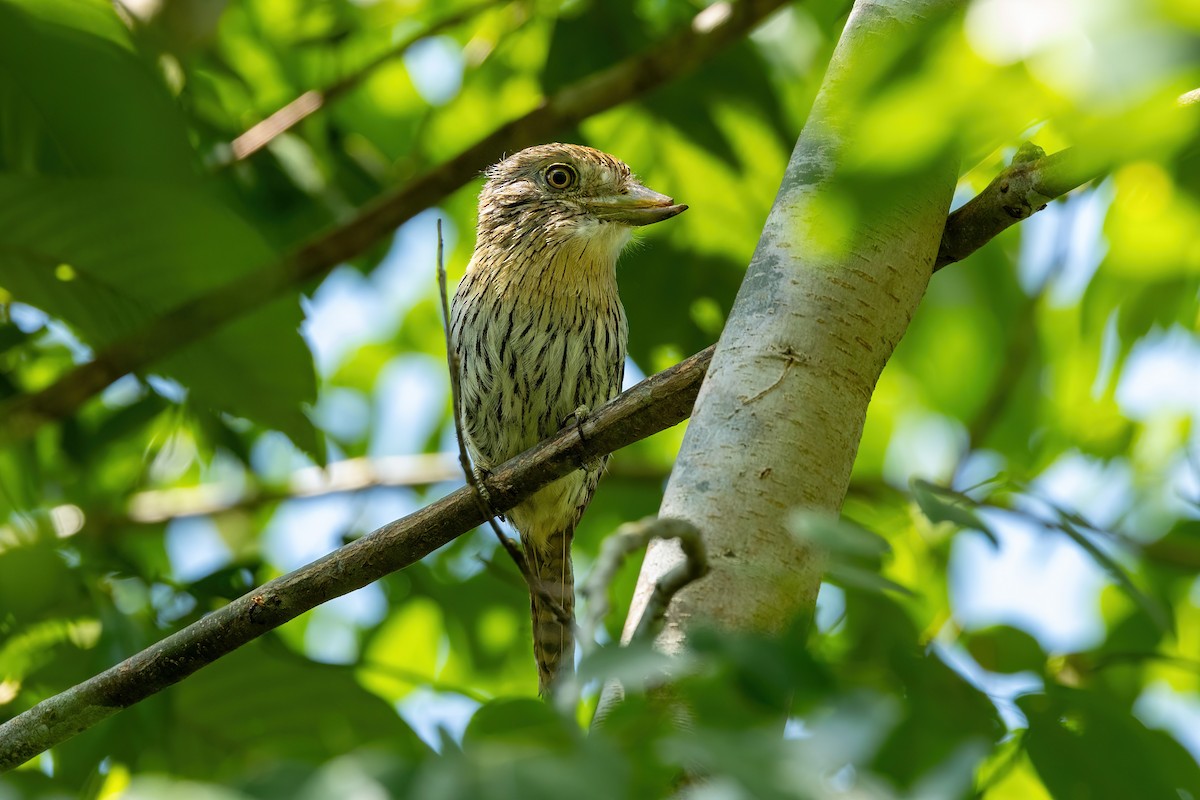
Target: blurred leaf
x=272, y=706
x=1154, y=610
x=11, y=336
x=1006, y=649
x=940, y=504
x=518, y=723
x=733, y=80
x=837, y=536
x=107, y=255
x=852, y=577
x=1179, y=548
x=35, y=584
x=84, y=103
x=604, y=32
x=1082, y=746
x=634, y=665
x=944, y=713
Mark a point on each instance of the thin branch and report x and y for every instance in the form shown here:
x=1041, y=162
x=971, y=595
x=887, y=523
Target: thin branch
x=285, y=118
x=350, y=475
x=1102, y=661
x=712, y=29
x=154, y=506
x=1018, y=192
x=629, y=538
x=481, y=497
x=653, y=405
x=694, y=567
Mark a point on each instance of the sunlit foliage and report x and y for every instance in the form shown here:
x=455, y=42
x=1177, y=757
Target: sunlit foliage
x=1013, y=608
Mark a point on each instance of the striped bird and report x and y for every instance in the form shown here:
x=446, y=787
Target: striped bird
x=540, y=337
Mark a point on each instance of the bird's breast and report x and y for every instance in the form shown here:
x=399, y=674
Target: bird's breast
x=528, y=359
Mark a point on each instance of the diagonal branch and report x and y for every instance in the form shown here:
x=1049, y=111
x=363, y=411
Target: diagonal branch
x=653, y=405
x=1022, y=189
x=288, y=116
x=712, y=29
x=1018, y=192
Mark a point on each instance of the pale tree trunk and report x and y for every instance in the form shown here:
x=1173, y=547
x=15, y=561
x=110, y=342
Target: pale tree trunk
x=779, y=418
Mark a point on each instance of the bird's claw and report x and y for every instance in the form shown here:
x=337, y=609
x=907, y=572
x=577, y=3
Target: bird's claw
x=577, y=418
x=482, y=475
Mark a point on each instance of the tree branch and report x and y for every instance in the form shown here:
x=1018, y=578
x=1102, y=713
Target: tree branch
x=629, y=538
x=711, y=29
x=288, y=116
x=153, y=506
x=349, y=475
x=653, y=405
x=1018, y=192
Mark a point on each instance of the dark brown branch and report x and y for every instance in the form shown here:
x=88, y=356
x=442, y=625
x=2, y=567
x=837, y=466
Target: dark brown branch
x=199, y=317
x=653, y=405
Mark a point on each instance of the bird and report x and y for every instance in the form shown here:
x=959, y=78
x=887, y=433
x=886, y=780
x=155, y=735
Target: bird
x=539, y=336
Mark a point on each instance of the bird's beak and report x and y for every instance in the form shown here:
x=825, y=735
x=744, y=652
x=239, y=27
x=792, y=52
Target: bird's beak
x=639, y=206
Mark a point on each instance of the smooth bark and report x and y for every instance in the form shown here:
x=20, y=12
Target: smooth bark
x=779, y=417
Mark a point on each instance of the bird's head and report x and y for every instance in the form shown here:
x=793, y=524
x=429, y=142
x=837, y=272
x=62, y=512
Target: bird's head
x=566, y=194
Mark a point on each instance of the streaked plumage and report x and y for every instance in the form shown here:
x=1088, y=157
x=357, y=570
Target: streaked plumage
x=540, y=332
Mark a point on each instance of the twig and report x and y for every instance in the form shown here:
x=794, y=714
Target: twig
x=1103, y=661
x=1031, y=181
x=1018, y=192
x=360, y=474
x=481, y=498
x=630, y=537
x=348, y=475
x=680, y=53
x=288, y=116
x=653, y=405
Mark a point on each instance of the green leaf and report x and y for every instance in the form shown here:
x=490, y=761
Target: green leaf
x=940, y=504
x=35, y=584
x=1083, y=745
x=107, y=255
x=587, y=42
x=851, y=577
x=77, y=100
x=1179, y=548
x=1006, y=649
x=519, y=722
x=634, y=665
x=837, y=535
x=943, y=713
x=269, y=705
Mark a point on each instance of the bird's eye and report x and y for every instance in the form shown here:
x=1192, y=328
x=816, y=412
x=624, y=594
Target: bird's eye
x=561, y=176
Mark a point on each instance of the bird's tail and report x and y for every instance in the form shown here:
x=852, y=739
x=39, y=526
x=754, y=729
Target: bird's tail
x=553, y=638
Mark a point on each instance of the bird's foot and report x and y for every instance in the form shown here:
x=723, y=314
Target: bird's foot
x=577, y=418
x=481, y=475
